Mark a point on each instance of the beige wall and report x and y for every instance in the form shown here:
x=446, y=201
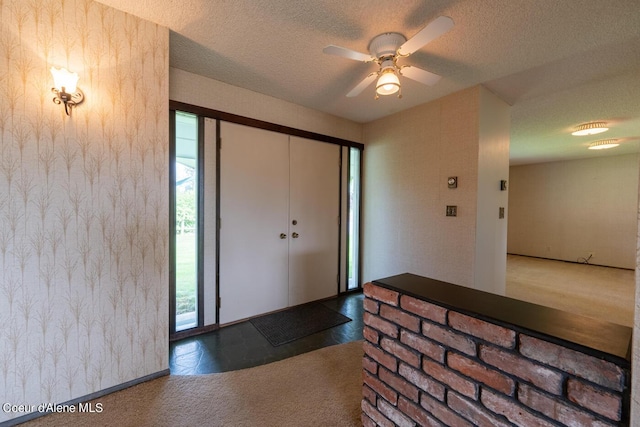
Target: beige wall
x=408, y=158
x=564, y=210
x=83, y=202
x=204, y=92
x=493, y=166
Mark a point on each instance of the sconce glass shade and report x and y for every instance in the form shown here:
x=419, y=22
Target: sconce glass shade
x=603, y=144
x=388, y=83
x=65, y=89
x=63, y=78
x=591, y=128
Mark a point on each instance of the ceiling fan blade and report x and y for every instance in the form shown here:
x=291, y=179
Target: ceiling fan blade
x=362, y=85
x=433, y=30
x=420, y=75
x=347, y=53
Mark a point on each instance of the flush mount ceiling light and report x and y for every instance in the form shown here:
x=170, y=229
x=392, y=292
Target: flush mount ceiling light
x=603, y=144
x=590, y=128
x=65, y=88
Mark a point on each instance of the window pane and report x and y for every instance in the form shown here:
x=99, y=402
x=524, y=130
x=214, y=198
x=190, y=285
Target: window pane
x=354, y=218
x=186, y=196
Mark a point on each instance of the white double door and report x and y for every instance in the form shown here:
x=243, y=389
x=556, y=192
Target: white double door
x=279, y=210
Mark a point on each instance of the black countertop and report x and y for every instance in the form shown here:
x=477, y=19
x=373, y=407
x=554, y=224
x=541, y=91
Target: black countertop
x=601, y=339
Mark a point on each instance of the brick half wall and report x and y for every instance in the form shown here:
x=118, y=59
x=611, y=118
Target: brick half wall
x=428, y=365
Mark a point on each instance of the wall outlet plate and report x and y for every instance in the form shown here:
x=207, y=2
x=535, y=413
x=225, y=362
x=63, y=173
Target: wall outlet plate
x=452, y=210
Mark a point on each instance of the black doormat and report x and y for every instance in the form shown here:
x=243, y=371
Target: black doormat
x=297, y=322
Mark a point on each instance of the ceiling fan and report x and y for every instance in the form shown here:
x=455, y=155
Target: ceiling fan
x=386, y=49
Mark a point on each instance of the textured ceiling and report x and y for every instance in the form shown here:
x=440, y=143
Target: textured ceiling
x=558, y=63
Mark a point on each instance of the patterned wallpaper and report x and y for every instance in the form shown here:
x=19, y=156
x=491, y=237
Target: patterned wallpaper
x=83, y=202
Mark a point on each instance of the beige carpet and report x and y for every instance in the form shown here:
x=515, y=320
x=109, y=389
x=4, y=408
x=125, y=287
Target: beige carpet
x=322, y=387
x=603, y=293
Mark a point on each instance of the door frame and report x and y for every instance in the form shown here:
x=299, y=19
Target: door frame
x=202, y=113
x=247, y=121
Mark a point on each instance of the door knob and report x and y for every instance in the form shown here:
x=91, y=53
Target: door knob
x=295, y=235
x=283, y=236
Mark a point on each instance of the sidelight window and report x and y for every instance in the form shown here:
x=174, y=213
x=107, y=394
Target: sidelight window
x=353, y=235
x=185, y=186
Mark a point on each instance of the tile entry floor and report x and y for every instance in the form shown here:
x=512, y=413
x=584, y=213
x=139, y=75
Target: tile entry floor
x=241, y=346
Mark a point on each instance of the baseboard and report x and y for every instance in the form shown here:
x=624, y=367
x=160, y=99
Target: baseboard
x=571, y=262
x=88, y=397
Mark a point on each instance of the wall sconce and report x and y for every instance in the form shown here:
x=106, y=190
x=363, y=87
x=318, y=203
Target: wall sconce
x=64, y=87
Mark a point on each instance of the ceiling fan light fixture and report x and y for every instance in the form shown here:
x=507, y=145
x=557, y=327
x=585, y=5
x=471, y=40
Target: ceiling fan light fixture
x=603, y=144
x=385, y=49
x=590, y=128
x=388, y=82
